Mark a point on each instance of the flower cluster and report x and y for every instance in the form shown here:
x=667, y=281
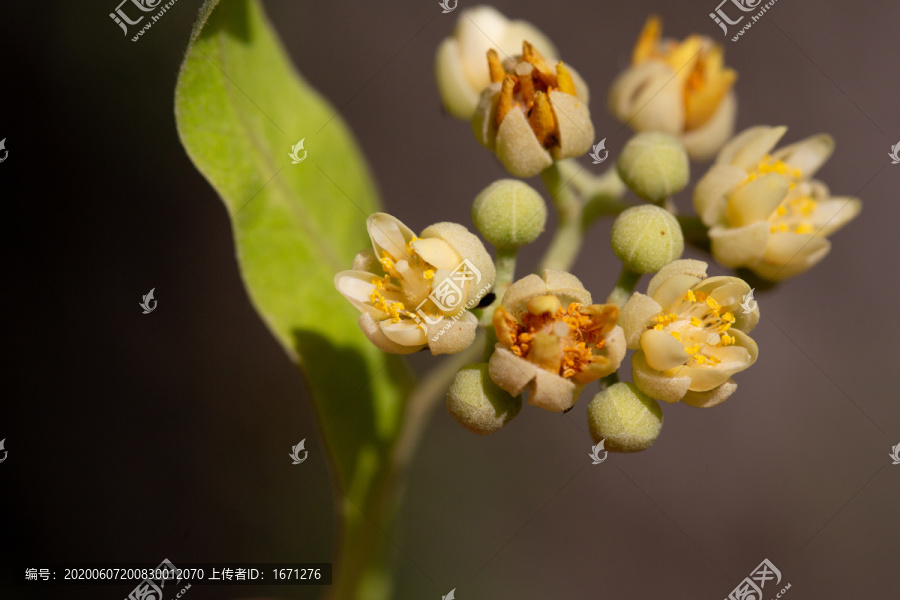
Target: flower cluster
x=542, y=336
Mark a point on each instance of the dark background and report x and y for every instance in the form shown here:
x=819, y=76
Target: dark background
x=138, y=437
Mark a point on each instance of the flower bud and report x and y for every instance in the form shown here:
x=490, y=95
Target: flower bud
x=628, y=420
x=477, y=403
x=509, y=213
x=654, y=165
x=647, y=238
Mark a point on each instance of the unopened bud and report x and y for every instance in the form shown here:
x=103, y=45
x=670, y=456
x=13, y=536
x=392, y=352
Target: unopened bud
x=627, y=419
x=478, y=403
x=647, y=238
x=654, y=165
x=509, y=213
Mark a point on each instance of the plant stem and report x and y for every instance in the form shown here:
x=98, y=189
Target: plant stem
x=569, y=185
x=624, y=286
x=364, y=571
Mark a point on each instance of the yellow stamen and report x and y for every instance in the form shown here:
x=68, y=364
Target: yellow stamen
x=566, y=84
x=647, y=45
x=804, y=228
x=531, y=55
x=690, y=296
x=696, y=322
x=495, y=66
x=541, y=119
x=428, y=274
x=505, y=101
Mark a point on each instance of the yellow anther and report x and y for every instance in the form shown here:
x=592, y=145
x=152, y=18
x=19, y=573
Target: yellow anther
x=541, y=119
x=727, y=340
x=711, y=302
x=658, y=327
x=495, y=66
x=696, y=322
x=648, y=41
x=728, y=317
x=676, y=335
x=428, y=274
x=804, y=228
x=505, y=102
x=781, y=210
x=690, y=296
x=564, y=78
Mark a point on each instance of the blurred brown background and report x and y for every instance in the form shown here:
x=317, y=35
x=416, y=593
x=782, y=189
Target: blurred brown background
x=136, y=438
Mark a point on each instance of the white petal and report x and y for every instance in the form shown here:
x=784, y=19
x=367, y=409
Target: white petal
x=552, y=392
x=437, y=253
x=635, y=316
x=477, y=30
x=674, y=289
x=373, y=331
x=833, y=213
x=683, y=266
x=807, y=155
x=711, y=192
x=789, y=254
x=662, y=351
x=647, y=98
x=749, y=147
x=740, y=246
x=356, y=286
x=756, y=200
x=389, y=235
x=458, y=94
x=655, y=384
x=510, y=372
x=405, y=332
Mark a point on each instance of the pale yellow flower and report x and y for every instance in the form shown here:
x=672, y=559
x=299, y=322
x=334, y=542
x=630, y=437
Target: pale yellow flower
x=680, y=88
x=415, y=291
x=764, y=210
x=691, y=333
x=553, y=341
x=533, y=113
x=461, y=70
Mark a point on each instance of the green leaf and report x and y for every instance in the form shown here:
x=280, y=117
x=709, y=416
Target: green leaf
x=240, y=108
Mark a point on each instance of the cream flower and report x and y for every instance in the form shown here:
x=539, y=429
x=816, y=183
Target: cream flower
x=459, y=65
x=692, y=335
x=414, y=291
x=679, y=88
x=532, y=114
x=553, y=341
x=764, y=210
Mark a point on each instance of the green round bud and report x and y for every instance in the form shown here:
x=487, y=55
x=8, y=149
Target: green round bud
x=509, y=213
x=646, y=238
x=477, y=403
x=627, y=419
x=654, y=165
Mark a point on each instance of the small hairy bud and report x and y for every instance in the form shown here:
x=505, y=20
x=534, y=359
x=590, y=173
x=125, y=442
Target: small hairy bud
x=627, y=419
x=478, y=403
x=509, y=213
x=647, y=238
x=654, y=165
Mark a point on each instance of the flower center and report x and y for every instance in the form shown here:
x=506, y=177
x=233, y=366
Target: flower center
x=700, y=324
x=560, y=340
x=403, y=280
x=526, y=86
x=791, y=216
